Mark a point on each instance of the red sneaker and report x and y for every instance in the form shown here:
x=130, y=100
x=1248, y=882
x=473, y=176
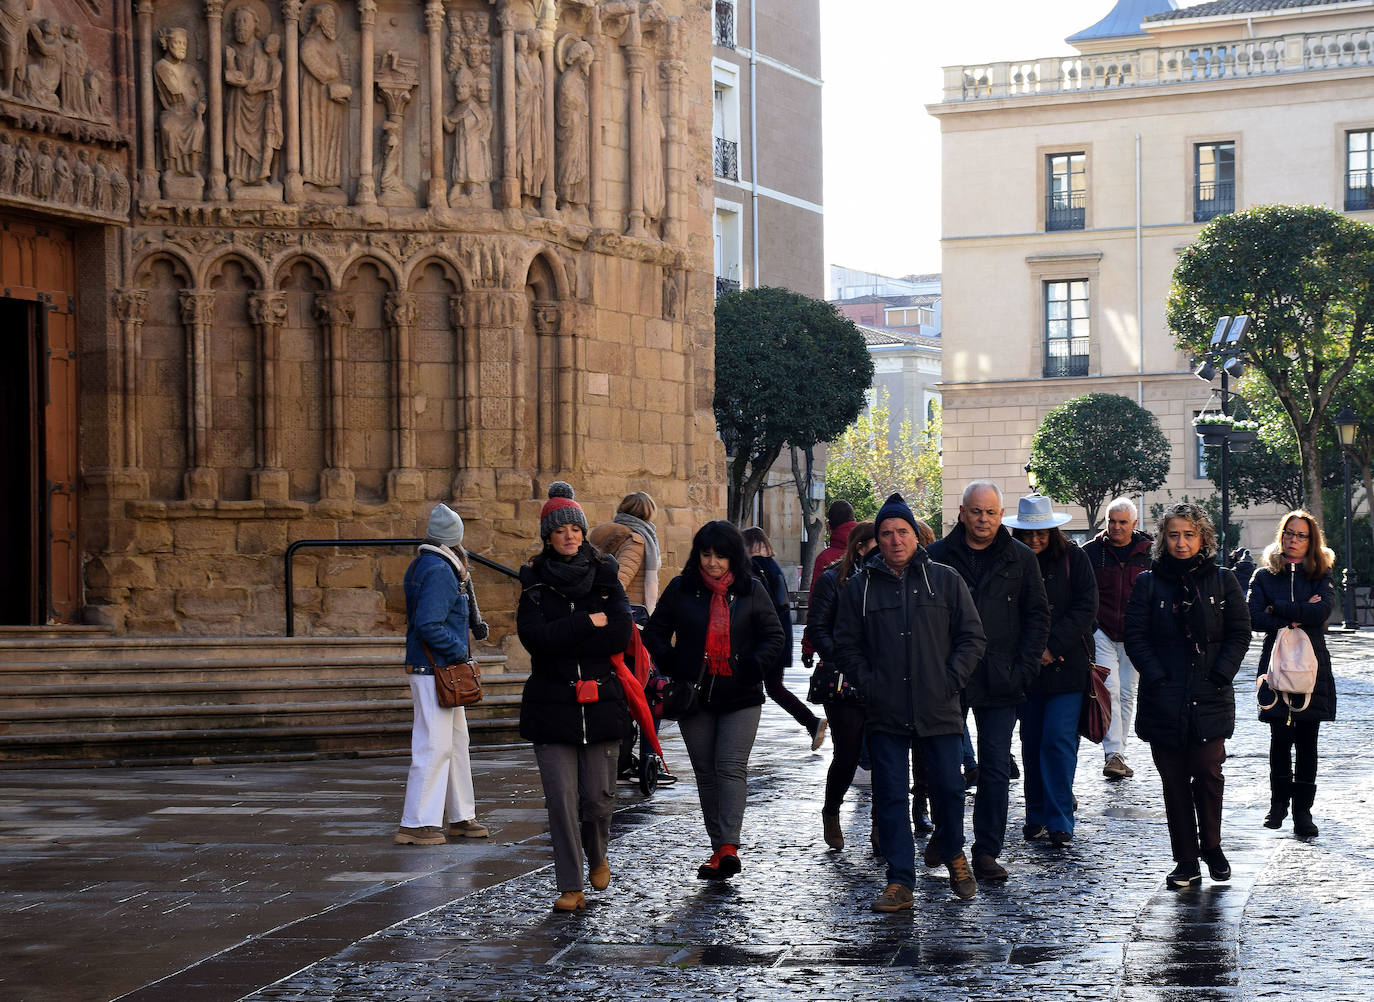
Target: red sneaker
x=729, y=861
x=710, y=870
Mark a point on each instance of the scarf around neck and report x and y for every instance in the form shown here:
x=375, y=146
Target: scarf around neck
x=447, y=553
x=652, y=555
x=718, y=625
x=573, y=577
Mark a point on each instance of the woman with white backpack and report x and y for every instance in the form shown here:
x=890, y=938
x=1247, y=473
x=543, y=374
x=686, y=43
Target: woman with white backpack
x=1292, y=589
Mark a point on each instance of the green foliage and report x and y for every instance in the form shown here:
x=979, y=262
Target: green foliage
x=846, y=482
x=930, y=474
x=789, y=369
x=911, y=468
x=1096, y=447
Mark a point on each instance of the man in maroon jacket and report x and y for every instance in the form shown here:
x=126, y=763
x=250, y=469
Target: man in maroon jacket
x=840, y=518
x=1118, y=554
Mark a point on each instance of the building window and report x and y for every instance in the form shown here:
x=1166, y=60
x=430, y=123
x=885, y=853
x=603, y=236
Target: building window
x=728, y=247
x=1066, y=191
x=725, y=125
x=1214, y=180
x=1066, y=328
x=723, y=31
x=1359, y=184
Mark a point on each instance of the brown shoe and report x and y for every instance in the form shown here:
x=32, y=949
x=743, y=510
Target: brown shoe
x=570, y=901
x=468, y=829
x=895, y=898
x=600, y=876
x=833, y=836
x=419, y=836
x=961, y=880
x=986, y=867
x=932, y=855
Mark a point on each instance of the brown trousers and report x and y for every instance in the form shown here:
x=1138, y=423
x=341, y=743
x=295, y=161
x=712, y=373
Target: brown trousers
x=1193, y=787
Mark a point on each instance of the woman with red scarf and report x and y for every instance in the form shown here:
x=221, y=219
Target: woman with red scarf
x=715, y=625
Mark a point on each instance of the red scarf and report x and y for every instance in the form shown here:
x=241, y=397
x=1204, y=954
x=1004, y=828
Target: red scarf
x=718, y=628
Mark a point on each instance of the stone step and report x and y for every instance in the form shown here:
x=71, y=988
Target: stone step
x=18, y=650
x=238, y=671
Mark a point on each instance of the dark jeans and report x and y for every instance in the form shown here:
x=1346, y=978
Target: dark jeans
x=1193, y=787
x=846, y=740
x=892, y=801
x=779, y=693
x=1049, y=753
x=1284, y=739
x=995, y=725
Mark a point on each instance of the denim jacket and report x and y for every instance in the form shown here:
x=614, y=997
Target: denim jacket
x=436, y=609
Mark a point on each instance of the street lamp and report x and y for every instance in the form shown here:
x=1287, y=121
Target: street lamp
x=1223, y=355
x=1346, y=427
x=1030, y=477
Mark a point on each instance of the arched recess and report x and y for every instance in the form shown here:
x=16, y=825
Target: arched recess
x=368, y=374
x=163, y=376
x=536, y=367
x=302, y=379
x=235, y=386
x=443, y=376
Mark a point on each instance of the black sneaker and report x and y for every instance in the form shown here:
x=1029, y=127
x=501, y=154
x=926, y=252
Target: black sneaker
x=1033, y=833
x=1185, y=875
x=1217, y=866
x=1061, y=839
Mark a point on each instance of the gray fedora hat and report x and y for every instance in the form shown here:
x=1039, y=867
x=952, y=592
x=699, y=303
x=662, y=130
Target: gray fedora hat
x=1035, y=511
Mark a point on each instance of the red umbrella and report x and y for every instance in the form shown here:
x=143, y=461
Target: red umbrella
x=634, y=688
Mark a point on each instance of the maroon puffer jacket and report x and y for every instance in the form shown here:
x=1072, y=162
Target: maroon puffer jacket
x=1116, y=578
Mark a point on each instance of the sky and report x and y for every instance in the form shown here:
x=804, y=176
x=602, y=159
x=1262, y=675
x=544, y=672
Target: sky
x=882, y=63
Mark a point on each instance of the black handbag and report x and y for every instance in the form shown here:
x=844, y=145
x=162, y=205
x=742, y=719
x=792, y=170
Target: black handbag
x=828, y=685
x=682, y=697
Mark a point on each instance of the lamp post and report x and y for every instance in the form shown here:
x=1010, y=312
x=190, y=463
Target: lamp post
x=1223, y=354
x=1346, y=427
x=1030, y=478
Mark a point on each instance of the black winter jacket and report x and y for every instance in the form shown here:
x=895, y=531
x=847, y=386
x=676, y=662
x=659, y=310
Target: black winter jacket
x=1186, y=632
x=1072, y=592
x=820, y=617
x=676, y=639
x=1276, y=600
x=565, y=647
x=1011, y=603
x=911, y=642
x=776, y=582
x=1116, y=578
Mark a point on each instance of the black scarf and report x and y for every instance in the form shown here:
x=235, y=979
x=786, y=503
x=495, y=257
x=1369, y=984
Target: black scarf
x=572, y=577
x=1187, y=602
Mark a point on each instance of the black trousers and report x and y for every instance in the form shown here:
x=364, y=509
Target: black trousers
x=1193, y=786
x=1284, y=740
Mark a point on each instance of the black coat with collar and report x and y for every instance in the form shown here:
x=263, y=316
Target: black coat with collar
x=1278, y=600
x=1072, y=592
x=676, y=639
x=1011, y=602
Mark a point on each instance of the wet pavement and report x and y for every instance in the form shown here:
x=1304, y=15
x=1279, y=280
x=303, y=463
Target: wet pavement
x=279, y=882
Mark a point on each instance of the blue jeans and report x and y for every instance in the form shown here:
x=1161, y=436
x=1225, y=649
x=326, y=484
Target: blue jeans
x=1049, y=753
x=892, y=799
x=970, y=760
x=995, y=725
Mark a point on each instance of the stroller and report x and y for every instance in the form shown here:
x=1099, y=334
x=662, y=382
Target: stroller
x=643, y=686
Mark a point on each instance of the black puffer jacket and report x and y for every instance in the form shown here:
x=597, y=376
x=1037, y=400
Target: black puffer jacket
x=1011, y=603
x=676, y=639
x=1072, y=592
x=911, y=642
x=820, y=617
x=1187, y=629
x=1277, y=600
x=565, y=647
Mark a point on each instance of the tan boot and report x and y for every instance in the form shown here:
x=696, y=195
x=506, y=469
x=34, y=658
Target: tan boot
x=570, y=901
x=834, y=837
x=600, y=876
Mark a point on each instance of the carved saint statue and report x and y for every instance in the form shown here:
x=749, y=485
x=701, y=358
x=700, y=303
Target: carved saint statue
x=182, y=96
x=325, y=93
x=529, y=114
x=64, y=187
x=470, y=123
x=44, y=74
x=571, y=114
x=655, y=197
x=74, y=66
x=14, y=37
x=391, y=183
x=43, y=170
x=8, y=152
x=85, y=179
x=252, y=104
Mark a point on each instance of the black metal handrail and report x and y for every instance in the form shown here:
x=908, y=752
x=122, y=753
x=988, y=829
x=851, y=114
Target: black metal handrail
x=303, y=543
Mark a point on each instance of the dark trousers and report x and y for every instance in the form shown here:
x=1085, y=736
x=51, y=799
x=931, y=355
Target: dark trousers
x=846, y=741
x=1193, y=786
x=892, y=799
x=780, y=694
x=1284, y=739
x=995, y=725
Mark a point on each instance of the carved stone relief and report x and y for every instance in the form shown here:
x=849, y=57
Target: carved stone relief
x=396, y=81
x=181, y=122
x=468, y=62
x=325, y=95
x=43, y=63
x=571, y=117
x=529, y=114
x=46, y=173
x=252, y=107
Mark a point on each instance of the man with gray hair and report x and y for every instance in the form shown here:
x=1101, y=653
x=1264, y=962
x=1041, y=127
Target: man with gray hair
x=1118, y=554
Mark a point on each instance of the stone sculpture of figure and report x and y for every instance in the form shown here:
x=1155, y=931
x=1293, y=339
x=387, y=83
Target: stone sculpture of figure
x=655, y=195
x=391, y=183
x=43, y=170
x=85, y=179
x=45, y=70
x=74, y=66
x=325, y=93
x=23, y=168
x=104, y=201
x=571, y=112
x=116, y=189
x=182, y=96
x=14, y=37
x=529, y=114
x=95, y=95
x=7, y=155
x=470, y=123
x=252, y=104
x=64, y=187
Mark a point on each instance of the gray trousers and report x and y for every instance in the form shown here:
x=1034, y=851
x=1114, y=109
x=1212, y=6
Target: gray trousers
x=579, y=792
x=719, y=747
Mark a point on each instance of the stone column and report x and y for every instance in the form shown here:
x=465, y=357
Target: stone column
x=465, y=336
x=596, y=203
x=367, y=20
x=495, y=319
x=198, y=316
x=510, y=176
x=548, y=200
x=635, y=59
x=674, y=73
x=334, y=312
x=148, y=188
x=434, y=27
x=565, y=372
x=270, y=481
x=291, y=91
x=405, y=482
x=214, y=15
x=132, y=307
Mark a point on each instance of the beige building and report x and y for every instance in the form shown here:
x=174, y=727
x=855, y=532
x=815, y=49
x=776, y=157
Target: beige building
x=1071, y=184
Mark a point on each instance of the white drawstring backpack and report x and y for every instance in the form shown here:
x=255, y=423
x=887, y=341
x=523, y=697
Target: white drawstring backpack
x=1292, y=670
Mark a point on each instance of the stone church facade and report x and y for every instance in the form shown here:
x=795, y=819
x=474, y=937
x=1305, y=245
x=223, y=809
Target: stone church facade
x=298, y=270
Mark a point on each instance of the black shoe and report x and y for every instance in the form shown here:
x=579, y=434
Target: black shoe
x=1061, y=840
x=1217, y=866
x=1033, y=833
x=931, y=856
x=1185, y=875
x=986, y=868
x=1015, y=771
x=922, y=824
x=970, y=778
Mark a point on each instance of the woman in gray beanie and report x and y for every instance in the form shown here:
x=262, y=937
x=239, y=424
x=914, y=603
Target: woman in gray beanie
x=440, y=610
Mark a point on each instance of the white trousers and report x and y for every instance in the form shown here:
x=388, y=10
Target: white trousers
x=1121, y=683
x=439, y=785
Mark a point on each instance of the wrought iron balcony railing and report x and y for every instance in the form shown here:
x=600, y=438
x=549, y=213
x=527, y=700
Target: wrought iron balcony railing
x=724, y=285
x=727, y=159
x=723, y=33
x=1212, y=199
x=1058, y=366
x=1066, y=210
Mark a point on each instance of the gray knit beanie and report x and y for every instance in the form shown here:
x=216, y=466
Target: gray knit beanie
x=561, y=509
x=445, y=526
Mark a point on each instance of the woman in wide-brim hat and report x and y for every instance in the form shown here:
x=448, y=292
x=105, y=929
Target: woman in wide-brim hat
x=1049, y=716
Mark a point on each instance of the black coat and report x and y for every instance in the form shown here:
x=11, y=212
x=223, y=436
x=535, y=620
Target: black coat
x=564, y=648
x=676, y=639
x=1071, y=589
x=1276, y=600
x=1012, y=606
x=910, y=642
x=820, y=616
x=1186, y=634
x=776, y=582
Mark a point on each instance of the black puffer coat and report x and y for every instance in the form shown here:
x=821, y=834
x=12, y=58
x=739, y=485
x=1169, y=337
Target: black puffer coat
x=676, y=639
x=1072, y=591
x=565, y=647
x=820, y=617
x=1187, y=629
x=1277, y=600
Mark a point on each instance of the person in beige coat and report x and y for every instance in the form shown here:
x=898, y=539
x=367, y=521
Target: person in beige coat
x=631, y=539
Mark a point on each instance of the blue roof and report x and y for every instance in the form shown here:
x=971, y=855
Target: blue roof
x=1124, y=20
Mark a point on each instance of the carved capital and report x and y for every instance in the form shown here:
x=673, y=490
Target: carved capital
x=214, y=9
x=367, y=12
x=635, y=57
x=672, y=71
x=145, y=7
x=434, y=15
x=132, y=305
x=545, y=318
x=402, y=309
x=334, y=309
x=197, y=306
x=291, y=10
x=267, y=309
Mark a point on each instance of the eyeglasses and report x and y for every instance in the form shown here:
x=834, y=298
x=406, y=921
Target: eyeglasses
x=1290, y=534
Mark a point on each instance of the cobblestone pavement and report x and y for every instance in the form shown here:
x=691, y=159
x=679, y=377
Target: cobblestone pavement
x=255, y=907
